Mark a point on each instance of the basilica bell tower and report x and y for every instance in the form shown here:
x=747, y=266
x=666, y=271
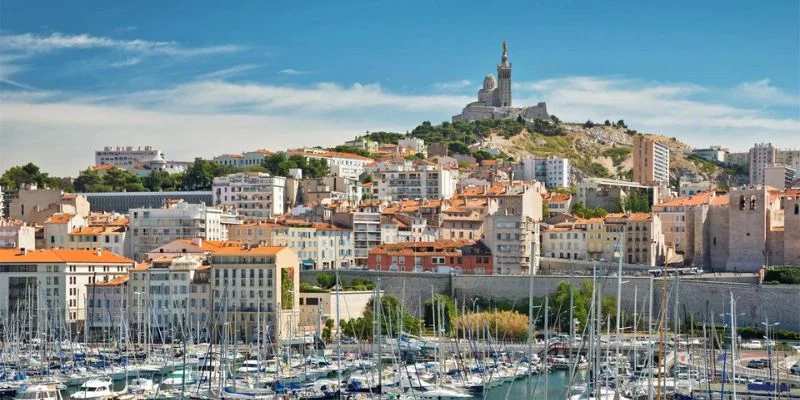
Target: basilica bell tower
x=504, y=80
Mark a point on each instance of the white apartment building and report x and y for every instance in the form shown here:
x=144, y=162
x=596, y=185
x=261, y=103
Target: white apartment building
x=15, y=234
x=405, y=228
x=154, y=227
x=761, y=155
x=244, y=159
x=341, y=164
x=554, y=172
x=254, y=195
x=55, y=280
x=410, y=181
x=688, y=187
x=126, y=157
x=413, y=145
x=714, y=153
x=109, y=238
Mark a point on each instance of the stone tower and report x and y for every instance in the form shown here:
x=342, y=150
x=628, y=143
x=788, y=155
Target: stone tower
x=504, y=80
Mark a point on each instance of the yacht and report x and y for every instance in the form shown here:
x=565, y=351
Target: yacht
x=179, y=377
x=96, y=389
x=38, y=392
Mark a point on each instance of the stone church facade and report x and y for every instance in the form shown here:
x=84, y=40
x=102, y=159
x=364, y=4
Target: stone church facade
x=494, y=98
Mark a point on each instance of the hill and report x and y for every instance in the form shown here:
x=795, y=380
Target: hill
x=601, y=150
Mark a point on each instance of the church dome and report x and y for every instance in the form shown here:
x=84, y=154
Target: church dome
x=489, y=83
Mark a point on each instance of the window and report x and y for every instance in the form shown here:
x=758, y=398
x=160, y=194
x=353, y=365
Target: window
x=796, y=209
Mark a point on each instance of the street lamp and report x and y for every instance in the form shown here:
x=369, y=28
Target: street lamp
x=769, y=342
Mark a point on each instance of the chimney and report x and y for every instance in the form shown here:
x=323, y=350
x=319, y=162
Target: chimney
x=23, y=251
x=99, y=252
x=197, y=242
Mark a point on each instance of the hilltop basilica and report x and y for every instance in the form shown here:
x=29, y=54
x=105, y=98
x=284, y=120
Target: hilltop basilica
x=494, y=99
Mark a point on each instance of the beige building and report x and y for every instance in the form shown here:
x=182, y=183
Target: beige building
x=680, y=218
x=650, y=161
x=316, y=308
x=36, y=205
x=246, y=282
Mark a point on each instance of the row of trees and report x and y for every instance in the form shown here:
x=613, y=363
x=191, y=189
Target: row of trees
x=199, y=176
x=508, y=320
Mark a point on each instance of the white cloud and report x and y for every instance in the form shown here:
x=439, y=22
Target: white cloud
x=452, y=86
x=763, y=93
x=125, y=63
x=204, y=118
x=670, y=109
x=290, y=71
x=232, y=71
x=30, y=43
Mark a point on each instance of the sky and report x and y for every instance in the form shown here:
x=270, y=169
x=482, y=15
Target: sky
x=202, y=78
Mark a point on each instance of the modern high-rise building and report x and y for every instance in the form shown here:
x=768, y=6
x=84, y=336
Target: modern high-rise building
x=761, y=155
x=650, y=161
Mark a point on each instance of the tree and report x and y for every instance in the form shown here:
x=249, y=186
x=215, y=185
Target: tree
x=15, y=177
x=326, y=280
x=198, y=176
x=607, y=123
x=394, y=319
x=457, y=148
x=449, y=312
x=621, y=123
x=90, y=181
x=287, y=289
x=121, y=180
x=588, y=124
x=367, y=178
x=481, y=155
x=580, y=210
x=327, y=330
x=634, y=202
x=555, y=119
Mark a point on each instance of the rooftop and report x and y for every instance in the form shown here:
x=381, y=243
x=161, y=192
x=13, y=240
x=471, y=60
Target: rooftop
x=15, y=256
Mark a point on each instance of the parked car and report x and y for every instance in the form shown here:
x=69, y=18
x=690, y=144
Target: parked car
x=795, y=370
x=752, y=345
x=756, y=364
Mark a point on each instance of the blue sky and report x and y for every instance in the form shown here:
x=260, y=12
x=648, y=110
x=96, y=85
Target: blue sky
x=198, y=78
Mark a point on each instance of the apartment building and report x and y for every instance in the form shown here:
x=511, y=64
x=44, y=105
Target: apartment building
x=346, y=165
x=558, y=203
x=244, y=159
x=247, y=287
x=606, y=193
x=107, y=307
x=418, y=180
x=54, y=280
x=464, y=219
x=565, y=240
x=761, y=156
x=398, y=228
x=254, y=195
x=715, y=154
x=642, y=237
x=34, y=206
x=681, y=222
x=15, y=234
x=441, y=256
x=779, y=176
x=318, y=245
x=126, y=157
x=553, y=171
x=650, y=161
x=154, y=227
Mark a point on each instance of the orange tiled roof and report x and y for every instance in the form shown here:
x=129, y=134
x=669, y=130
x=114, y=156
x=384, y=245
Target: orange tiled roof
x=243, y=250
x=116, y=281
x=104, y=167
x=693, y=200
x=329, y=154
x=59, y=218
x=98, y=230
x=212, y=245
x=559, y=197
x=61, y=256
x=142, y=266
